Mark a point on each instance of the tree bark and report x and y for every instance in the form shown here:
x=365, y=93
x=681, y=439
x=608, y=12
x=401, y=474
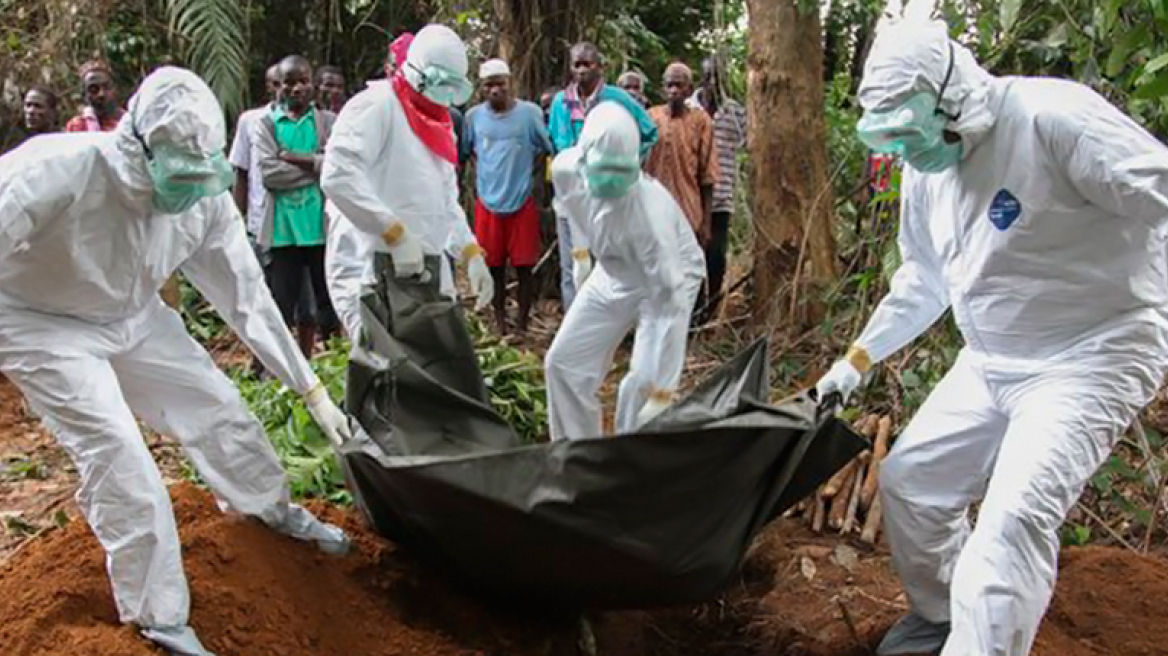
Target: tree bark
x=791, y=192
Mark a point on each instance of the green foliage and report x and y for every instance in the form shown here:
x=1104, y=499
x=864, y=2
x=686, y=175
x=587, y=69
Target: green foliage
x=215, y=45
x=202, y=321
x=515, y=380
x=313, y=469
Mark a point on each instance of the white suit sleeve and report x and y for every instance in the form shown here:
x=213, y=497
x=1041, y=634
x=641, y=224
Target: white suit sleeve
x=658, y=222
x=460, y=237
x=226, y=272
x=1113, y=162
x=569, y=198
x=918, y=295
x=345, y=265
x=358, y=140
x=30, y=195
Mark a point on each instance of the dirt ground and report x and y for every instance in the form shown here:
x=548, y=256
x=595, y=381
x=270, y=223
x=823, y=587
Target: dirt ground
x=256, y=593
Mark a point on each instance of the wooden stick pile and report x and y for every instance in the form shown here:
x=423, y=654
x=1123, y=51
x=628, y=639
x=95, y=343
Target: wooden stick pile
x=848, y=502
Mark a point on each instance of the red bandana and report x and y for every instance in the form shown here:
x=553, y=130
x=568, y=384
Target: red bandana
x=429, y=120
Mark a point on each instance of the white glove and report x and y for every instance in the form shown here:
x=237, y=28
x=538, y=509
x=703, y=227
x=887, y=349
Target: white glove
x=406, y=250
x=581, y=266
x=843, y=377
x=481, y=282
x=651, y=409
x=327, y=415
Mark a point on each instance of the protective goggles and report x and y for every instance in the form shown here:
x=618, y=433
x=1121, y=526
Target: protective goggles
x=916, y=125
x=443, y=86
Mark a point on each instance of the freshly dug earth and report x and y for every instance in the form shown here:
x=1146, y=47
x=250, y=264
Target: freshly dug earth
x=256, y=593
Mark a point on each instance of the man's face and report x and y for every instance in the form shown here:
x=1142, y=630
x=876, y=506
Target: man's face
x=585, y=67
x=677, y=88
x=332, y=90
x=38, y=113
x=98, y=91
x=632, y=84
x=296, y=87
x=497, y=91
x=272, y=83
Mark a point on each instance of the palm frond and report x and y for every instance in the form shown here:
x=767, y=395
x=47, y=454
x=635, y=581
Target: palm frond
x=215, y=38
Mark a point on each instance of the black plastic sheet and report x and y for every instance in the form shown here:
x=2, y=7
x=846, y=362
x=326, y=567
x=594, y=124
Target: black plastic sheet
x=660, y=517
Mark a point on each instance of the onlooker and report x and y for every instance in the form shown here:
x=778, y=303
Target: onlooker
x=249, y=189
x=289, y=146
x=506, y=137
x=40, y=111
x=684, y=159
x=730, y=129
x=565, y=122
x=634, y=83
x=102, y=110
x=330, y=86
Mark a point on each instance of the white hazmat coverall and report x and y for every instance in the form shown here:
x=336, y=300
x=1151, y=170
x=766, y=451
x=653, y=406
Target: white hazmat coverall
x=381, y=176
x=648, y=274
x=85, y=337
x=348, y=266
x=1047, y=242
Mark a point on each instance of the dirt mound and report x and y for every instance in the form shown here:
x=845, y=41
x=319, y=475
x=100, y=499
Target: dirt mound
x=256, y=593
x=1107, y=603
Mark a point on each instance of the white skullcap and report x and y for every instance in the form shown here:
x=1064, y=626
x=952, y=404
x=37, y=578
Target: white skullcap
x=494, y=68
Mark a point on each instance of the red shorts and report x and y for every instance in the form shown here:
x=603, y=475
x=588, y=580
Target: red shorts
x=509, y=237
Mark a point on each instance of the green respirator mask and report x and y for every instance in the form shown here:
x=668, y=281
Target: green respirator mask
x=915, y=130
x=610, y=176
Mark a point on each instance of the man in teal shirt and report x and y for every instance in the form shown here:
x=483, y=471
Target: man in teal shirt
x=289, y=147
x=569, y=108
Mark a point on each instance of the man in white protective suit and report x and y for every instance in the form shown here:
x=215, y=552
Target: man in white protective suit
x=91, y=226
x=1035, y=211
x=390, y=177
x=649, y=271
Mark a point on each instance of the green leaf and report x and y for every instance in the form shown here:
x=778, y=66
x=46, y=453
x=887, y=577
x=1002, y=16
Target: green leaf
x=910, y=380
x=1121, y=53
x=1156, y=64
x=1058, y=36
x=1008, y=14
x=1155, y=88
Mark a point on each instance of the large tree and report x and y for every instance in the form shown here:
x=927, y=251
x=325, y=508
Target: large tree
x=791, y=193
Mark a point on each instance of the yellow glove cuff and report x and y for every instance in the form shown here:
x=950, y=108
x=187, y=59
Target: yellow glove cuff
x=471, y=251
x=393, y=234
x=580, y=254
x=314, y=395
x=859, y=358
x=661, y=395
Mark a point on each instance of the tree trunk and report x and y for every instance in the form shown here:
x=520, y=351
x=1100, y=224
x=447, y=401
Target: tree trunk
x=792, y=198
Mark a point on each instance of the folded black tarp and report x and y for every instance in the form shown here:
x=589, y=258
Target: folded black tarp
x=660, y=517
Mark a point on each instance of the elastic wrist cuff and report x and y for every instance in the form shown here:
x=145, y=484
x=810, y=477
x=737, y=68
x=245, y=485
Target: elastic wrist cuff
x=471, y=251
x=314, y=394
x=661, y=395
x=859, y=358
x=393, y=234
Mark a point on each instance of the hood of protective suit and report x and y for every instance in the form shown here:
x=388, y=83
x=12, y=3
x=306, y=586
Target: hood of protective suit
x=911, y=56
x=610, y=145
x=438, y=48
x=174, y=108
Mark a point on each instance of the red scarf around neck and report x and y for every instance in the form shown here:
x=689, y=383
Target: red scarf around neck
x=429, y=120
